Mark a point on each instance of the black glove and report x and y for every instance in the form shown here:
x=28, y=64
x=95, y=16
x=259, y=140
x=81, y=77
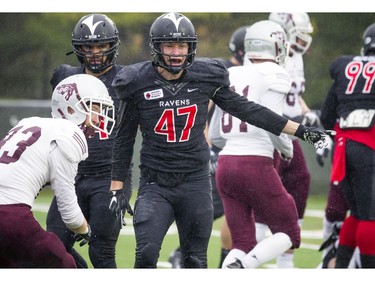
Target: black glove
x=119, y=204
x=313, y=135
x=83, y=238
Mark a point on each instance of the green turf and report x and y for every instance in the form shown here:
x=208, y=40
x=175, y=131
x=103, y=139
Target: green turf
x=304, y=257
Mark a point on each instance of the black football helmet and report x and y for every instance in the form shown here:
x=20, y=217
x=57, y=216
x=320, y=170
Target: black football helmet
x=368, y=42
x=236, y=43
x=172, y=27
x=96, y=29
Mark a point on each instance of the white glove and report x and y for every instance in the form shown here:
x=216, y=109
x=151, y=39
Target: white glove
x=323, y=152
x=311, y=119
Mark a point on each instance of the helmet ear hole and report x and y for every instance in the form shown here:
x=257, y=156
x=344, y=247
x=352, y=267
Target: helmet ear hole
x=70, y=110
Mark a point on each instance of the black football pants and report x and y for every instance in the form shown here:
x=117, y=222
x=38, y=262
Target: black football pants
x=189, y=204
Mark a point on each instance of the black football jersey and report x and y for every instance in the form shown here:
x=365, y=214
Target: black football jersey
x=100, y=146
x=172, y=115
x=353, y=88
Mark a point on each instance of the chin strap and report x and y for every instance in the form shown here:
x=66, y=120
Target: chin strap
x=89, y=132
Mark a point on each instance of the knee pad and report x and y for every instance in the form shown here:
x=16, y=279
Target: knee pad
x=147, y=256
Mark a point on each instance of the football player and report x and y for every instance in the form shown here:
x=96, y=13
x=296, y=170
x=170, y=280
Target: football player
x=95, y=42
x=246, y=178
x=349, y=109
x=294, y=174
x=167, y=98
x=41, y=151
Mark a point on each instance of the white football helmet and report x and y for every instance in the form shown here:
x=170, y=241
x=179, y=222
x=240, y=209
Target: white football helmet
x=297, y=27
x=266, y=40
x=73, y=97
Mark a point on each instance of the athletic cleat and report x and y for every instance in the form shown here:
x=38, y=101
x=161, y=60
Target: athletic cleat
x=235, y=265
x=175, y=258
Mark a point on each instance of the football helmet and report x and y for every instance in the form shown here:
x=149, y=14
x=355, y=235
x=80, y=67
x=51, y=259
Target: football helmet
x=236, y=43
x=172, y=27
x=297, y=27
x=96, y=29
x=368, y=41
x=73, y=98
x=266, y=40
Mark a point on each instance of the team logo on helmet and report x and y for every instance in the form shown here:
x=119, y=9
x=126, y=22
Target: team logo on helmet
x=89, y=22
x=67, y=90
x=172, y=17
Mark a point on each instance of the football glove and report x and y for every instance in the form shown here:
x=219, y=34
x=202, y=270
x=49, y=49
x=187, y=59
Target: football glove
x=323, y=153
x=84, y=238
x=314, y=136
x=214, y=157
x=119, y=204
x=311, y=119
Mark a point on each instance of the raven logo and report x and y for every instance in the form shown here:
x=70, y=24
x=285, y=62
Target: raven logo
x=172, y=17
x=89, y=22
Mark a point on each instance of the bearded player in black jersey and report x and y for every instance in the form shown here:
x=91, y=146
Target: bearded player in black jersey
x=349, y=109
x=167, y=98
x=95, y=42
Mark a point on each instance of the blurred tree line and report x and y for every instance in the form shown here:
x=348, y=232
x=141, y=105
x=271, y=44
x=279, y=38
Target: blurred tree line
x=33, y=44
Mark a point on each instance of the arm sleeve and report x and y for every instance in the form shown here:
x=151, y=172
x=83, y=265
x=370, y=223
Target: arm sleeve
x=328, y=112
x=62, y=177
x=123, y=143
x=248, y=111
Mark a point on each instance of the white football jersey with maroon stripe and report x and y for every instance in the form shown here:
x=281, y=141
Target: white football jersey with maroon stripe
x=38, y=151
x=264, y=83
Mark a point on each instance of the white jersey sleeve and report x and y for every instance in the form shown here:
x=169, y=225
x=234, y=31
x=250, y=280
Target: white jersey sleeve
x=25, y=157
x=62, y=176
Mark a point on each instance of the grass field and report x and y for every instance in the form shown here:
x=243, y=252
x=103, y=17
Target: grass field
x=307, y=256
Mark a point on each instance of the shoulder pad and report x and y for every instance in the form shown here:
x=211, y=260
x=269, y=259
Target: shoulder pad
x=209, y=70
x=134, y=76
x=63, y=71
x=71, y=141
x=339, y=64
x=276, y=76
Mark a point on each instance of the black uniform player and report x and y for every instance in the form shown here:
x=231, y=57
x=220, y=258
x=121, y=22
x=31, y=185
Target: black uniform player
x=168, y=99
x=350, y=109
x=95, y=41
